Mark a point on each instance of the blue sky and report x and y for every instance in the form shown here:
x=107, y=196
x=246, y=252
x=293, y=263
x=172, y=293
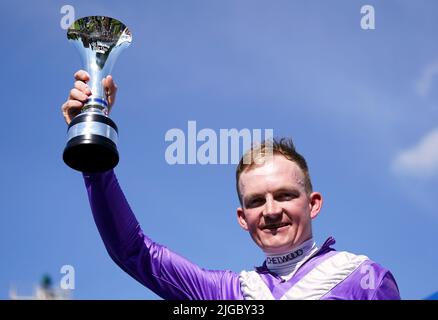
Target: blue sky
x=361, y=105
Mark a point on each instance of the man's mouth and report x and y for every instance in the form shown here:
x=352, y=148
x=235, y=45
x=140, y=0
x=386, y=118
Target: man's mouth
x=275, y=226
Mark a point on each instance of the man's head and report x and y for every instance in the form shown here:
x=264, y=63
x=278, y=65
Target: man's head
x=276, y=196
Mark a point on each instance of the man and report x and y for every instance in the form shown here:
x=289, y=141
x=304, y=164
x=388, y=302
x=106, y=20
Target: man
x=277, y=207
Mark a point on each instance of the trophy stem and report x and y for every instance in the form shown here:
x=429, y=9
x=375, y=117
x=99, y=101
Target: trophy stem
x=96, y=104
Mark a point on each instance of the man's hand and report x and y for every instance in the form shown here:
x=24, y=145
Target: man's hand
x=80, y=93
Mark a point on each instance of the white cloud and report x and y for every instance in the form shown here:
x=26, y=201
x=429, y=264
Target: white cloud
x=424, y=83
x=421, y=160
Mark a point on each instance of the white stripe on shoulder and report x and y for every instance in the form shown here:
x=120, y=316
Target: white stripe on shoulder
x=325, y=276
x=253, y=287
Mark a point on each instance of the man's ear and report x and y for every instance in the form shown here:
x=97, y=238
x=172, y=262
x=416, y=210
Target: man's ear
x=241, y=218
x=315, y=204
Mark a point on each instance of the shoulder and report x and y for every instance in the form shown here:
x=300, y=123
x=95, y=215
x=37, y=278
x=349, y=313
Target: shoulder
x=360, y=279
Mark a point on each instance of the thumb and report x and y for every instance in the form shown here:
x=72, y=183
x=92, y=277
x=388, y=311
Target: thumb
x=110, y=89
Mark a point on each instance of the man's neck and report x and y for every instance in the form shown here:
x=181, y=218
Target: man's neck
x=288, y=262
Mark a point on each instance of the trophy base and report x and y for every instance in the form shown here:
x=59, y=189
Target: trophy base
x=91, y=145
x=91, y=154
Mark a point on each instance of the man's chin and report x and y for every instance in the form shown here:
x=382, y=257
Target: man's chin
x=276, y=247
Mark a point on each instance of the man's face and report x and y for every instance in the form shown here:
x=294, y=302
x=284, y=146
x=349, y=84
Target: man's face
x=277, y=211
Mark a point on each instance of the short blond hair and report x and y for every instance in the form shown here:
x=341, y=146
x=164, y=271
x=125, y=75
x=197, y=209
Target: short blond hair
x=282, y=146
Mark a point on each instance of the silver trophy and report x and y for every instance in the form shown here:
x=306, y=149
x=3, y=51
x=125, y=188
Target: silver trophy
x=92, y=135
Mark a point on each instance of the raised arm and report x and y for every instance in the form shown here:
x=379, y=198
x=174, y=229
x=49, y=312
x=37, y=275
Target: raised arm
x=164, y=272
x=161, y=270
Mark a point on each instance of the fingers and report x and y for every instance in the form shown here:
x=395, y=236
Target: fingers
x=82, y=75
x=77, y=97
x=76, y=94
x=80, y=89
x=83, y=87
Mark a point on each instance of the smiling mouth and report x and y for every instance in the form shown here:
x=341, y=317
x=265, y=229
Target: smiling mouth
x=275, y=226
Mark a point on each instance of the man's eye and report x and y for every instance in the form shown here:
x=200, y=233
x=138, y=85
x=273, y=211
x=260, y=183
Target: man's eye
x=255, y=202
x=286, y=196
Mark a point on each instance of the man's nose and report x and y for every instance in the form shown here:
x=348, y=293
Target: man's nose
x=272, y=209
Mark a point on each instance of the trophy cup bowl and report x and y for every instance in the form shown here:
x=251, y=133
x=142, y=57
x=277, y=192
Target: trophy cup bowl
x=92, y=136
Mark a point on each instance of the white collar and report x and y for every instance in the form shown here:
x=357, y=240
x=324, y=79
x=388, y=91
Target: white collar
x=287, y=263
